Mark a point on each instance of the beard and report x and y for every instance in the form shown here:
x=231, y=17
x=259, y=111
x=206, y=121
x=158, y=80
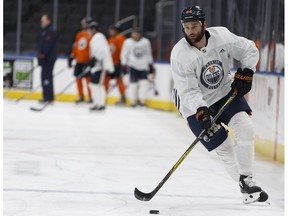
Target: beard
x=196, y=39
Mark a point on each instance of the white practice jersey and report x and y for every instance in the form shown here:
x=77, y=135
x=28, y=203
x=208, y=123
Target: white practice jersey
x=100, y=50
x=202, y=77
x=137, y=54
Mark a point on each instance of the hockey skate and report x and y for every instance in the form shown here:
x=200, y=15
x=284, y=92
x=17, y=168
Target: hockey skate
x=80, y=100
x=90, y=101
x=251, y=192
x=121, y=102
x=97, y=108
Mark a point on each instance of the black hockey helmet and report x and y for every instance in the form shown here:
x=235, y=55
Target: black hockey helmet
x=193, y=13
x=138, y=30
x=115, y=27
x=86, y=20
x=93, y=25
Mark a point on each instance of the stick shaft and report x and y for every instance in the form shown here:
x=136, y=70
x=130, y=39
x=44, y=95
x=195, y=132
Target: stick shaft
x=148, y=196
x=63, y=91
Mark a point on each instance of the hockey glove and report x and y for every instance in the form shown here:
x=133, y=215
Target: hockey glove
x=123, y=69
x=203, y=117
x=151, y=69
x=70, y=62
x=91, y=63
x=242, y=81
x=151, y=73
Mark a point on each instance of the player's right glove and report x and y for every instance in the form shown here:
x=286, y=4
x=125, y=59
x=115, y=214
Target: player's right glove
x=91, y=63
x=203, y=117
x=242, y=81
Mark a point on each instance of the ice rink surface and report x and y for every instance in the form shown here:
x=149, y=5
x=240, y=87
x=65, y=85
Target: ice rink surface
x=67, y=161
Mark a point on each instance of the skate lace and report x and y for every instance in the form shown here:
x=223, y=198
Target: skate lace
x=249, y=181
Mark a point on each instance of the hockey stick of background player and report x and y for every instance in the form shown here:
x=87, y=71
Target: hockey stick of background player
x=151, y=78
x=39, y=86
x=87, y=70
x=148, y=196
x=112, y=87
x=154, y=87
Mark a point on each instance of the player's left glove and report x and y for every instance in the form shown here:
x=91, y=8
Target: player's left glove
x=124, y=69
x=242, y=81
x=151, y=72
x=152, y=69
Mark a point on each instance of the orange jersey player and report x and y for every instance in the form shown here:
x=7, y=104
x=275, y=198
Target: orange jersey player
x=81, y=53
x=81, y=47
x=116, y=41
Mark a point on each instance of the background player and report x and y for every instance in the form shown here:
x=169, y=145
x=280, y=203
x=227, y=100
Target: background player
x=201, y=74
x=136, y=56
x=116, y=41
x=81, y=53
x=101, y=63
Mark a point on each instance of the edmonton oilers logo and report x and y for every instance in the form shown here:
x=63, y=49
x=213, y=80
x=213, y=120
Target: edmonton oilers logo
x=212, y=74
x=82, y=44
x=138, y=52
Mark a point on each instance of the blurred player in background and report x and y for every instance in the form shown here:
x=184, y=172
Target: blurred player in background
x=270, y=63
x=116, y=41
x=46, y=57
x=81, y=53
x=203, y=83
x=101, y=63
x=136, y=57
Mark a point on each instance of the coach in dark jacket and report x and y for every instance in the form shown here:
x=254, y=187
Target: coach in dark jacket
x=47, y=57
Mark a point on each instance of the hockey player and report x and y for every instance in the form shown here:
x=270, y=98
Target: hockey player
x=81, y=53
x=136, y=56
x=202, y=79
x=116, y=41
x=101, y=63
x=267, y=60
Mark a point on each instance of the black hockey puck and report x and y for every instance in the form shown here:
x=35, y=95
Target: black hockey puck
x=154, y=212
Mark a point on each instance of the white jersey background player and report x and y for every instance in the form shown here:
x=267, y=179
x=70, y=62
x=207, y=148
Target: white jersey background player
x=136, y=57
x=101, y=63
x=201, y=74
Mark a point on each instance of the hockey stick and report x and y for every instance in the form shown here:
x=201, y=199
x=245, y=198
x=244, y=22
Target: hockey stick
x=39, y=86
x=154, y=87
x=148, y=196
x=112, y=87
x=63, y=90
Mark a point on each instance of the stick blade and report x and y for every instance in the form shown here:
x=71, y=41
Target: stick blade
x=142, y=196
x=36, y=109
